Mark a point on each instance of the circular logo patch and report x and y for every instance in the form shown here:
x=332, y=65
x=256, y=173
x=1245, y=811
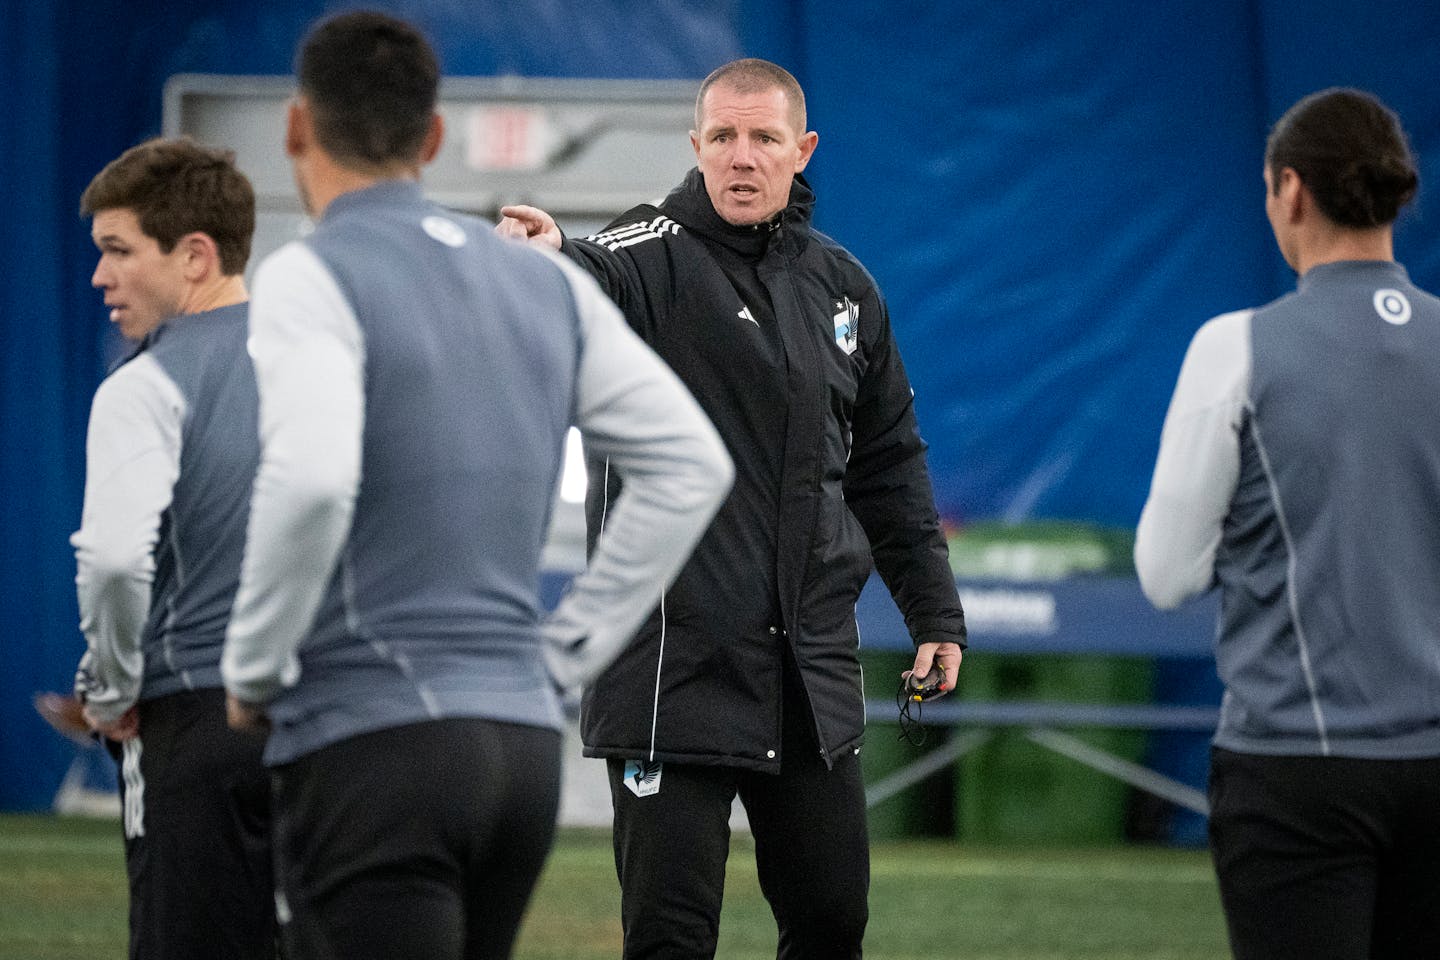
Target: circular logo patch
x=447, y=232
x=1392, y=306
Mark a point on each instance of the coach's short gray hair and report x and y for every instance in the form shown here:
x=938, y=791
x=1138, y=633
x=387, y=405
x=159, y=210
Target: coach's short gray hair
x=753, y=75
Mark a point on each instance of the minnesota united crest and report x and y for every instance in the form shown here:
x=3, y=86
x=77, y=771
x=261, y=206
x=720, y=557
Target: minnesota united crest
x=847, y=325
x=643, y=776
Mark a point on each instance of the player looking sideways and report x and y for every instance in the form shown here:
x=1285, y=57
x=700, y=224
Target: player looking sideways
x=170, y=457
x=1299, y=471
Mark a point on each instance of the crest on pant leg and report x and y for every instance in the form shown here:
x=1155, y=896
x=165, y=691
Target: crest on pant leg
x=643, y=777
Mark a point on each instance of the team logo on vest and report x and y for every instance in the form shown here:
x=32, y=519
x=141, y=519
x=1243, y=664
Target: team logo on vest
x=446, y=231
x=847, y=325
x=1392, y=306
x=643, y=777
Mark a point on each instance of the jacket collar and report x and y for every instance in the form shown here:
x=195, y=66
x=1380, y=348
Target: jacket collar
x=690, y=206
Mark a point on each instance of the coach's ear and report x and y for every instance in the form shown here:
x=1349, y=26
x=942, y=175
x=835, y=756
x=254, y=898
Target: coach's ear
x=805, y=149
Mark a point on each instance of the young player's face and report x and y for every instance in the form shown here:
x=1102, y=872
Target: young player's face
x=749, y=152
x=143, y=286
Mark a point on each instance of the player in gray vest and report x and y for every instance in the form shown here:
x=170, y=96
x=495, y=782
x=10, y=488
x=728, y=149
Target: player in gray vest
x=1299, y=471
x=417, y=379
x=171, y=453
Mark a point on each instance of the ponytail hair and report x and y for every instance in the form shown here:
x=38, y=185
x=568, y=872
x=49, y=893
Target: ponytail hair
x=1352, y=154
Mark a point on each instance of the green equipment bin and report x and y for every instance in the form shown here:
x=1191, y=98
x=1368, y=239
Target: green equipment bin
x=1014, y=791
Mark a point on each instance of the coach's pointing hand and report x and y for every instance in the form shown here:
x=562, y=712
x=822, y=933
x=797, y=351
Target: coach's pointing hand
x=521, y=222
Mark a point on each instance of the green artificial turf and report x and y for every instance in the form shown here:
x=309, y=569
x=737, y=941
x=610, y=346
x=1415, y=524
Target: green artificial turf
x=62, y=897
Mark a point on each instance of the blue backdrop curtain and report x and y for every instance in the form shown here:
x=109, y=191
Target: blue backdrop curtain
x=1055, y=196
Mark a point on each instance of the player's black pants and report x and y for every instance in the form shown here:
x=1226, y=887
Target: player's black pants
x=1327, y=858
x=421, y=841
x=196, y=814
x=811, y=849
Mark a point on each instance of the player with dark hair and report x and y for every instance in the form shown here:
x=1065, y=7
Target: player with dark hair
x=1299, y=471
x=745, y=680
x=418, y=376
x=171, y=453
x=1351, y=155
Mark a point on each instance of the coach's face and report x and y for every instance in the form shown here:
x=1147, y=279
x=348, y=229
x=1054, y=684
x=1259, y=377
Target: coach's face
x=749, y=151
x=143, y=285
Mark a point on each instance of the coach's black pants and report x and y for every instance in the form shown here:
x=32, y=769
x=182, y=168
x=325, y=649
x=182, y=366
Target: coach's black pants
x=196, y=814
x=1327, y=858
x=811, y=850
x=422, y=841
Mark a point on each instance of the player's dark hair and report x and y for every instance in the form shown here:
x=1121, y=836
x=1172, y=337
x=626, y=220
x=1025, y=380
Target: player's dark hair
x=177, y=186
x=371, y=82
x=1352, y=154
x=753, y=75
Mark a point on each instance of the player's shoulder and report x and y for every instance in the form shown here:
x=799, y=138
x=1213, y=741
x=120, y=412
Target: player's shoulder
x=141, y=381
x=298, y=256
x=1227, y=325
x=1221, y=344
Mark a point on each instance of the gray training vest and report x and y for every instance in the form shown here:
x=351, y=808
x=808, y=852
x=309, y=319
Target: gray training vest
x=472, y=347
x=1330, y=556
x=202, y=533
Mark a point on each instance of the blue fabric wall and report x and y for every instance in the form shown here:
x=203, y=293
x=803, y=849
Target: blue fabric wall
x=1054, y=196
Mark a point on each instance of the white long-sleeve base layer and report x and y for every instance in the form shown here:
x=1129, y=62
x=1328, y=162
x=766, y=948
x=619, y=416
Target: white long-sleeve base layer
x=132, y=461
x=1198, y=465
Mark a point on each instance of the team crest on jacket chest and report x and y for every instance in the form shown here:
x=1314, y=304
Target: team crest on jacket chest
x=847, y=325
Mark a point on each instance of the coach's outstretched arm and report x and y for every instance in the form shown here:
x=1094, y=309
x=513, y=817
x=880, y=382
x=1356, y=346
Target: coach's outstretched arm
x=633, y=411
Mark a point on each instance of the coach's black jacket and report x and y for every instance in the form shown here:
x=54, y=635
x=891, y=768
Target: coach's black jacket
x=830, y=469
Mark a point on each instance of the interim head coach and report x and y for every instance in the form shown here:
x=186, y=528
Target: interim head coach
x=745, y=679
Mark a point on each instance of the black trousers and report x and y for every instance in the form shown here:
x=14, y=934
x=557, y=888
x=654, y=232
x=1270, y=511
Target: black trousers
x=196, y=802
x=1327, y=858
x=811, y=850
x=421, y=841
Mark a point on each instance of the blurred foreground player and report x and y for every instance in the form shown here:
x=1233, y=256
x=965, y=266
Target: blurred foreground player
x=170, y=457
x=417, y=378
x=1299, y=470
